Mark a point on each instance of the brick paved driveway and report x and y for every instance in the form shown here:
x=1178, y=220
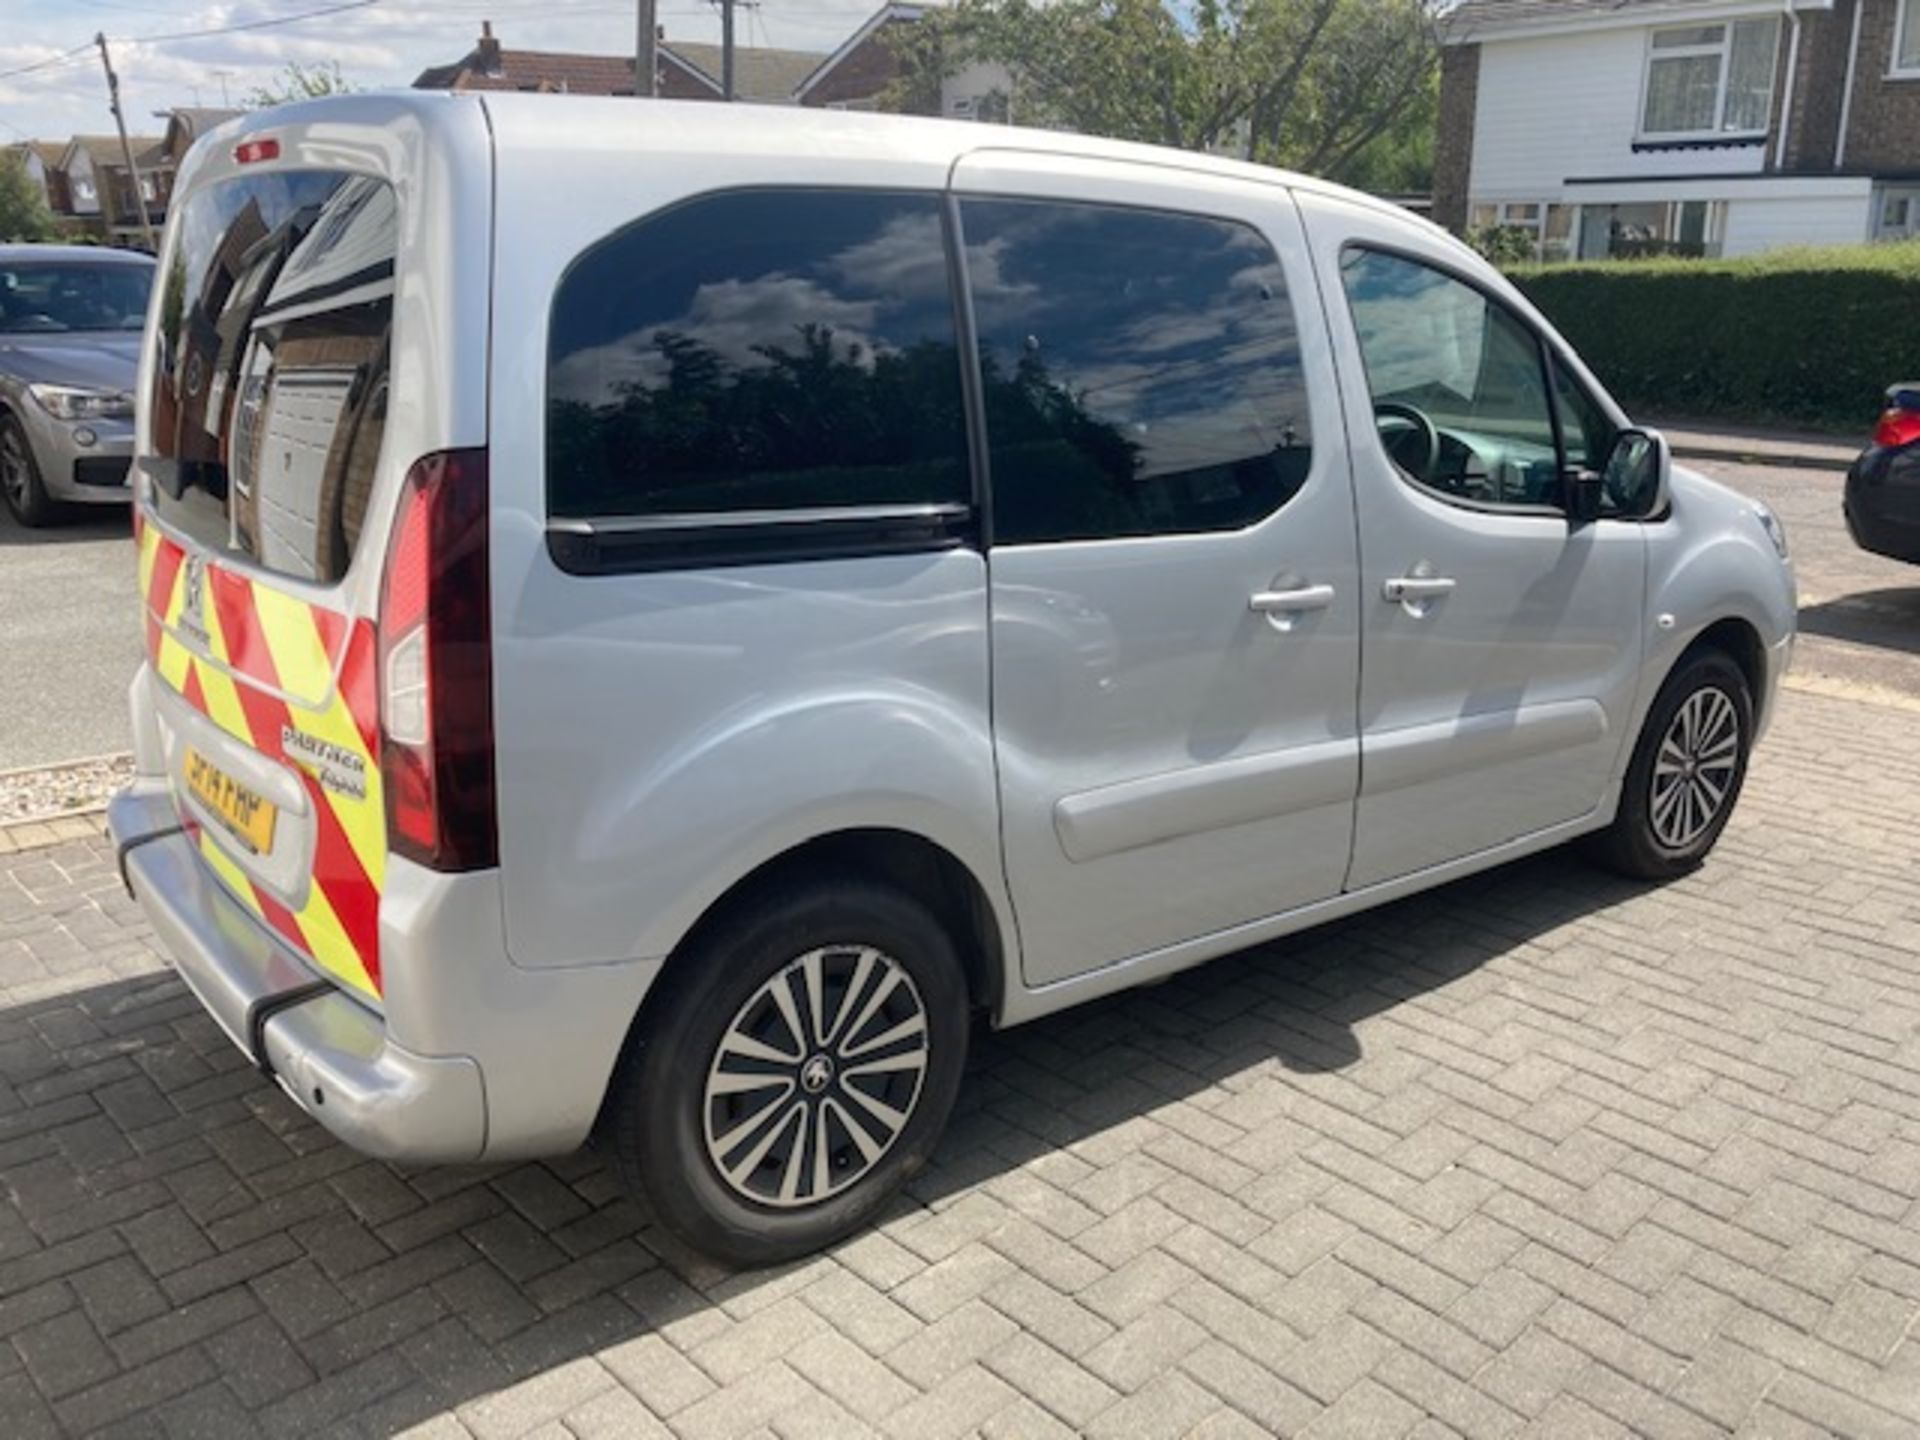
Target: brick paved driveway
x=1543, y=1152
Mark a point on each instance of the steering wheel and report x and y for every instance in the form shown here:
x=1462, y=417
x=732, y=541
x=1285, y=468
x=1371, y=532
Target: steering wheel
x=1419, y=421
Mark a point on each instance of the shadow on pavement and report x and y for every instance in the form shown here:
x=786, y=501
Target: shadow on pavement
x=195, y=1212
x=75, y=523
x=1888, y=619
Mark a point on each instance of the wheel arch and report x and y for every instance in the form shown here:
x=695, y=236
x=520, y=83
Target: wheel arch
x=921, y=867
x=907, y=861
x=1738, y=639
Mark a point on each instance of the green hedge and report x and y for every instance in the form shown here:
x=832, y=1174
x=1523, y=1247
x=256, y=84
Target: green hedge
x=1793, y=337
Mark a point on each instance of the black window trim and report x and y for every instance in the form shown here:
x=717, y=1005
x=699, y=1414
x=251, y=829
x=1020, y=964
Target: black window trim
x=1544, y=349
x=711, y=539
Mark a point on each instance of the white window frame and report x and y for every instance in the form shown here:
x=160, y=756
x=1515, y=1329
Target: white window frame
x=1906, y=16
x=1724, y=50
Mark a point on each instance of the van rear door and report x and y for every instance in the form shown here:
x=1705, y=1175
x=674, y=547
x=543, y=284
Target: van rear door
x=271, y=364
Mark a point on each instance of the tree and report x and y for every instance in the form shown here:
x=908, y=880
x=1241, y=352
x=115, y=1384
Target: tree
x=300, y=82
x=1311, y=84
x=1505, y=245
x=23, y=204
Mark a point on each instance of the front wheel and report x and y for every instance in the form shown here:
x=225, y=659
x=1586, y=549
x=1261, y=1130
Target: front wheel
x=1686, y=772
x=800, y=1064
x=20, y=482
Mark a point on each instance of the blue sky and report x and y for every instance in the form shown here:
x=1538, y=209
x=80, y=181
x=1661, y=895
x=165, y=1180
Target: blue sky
x=386, y=43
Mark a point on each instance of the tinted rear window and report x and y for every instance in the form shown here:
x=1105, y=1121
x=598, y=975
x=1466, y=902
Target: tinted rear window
x=270, y=386
x=1140, y=371
x=758, y=351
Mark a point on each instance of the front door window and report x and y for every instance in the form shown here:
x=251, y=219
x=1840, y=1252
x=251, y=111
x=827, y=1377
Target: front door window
x=1459, y=388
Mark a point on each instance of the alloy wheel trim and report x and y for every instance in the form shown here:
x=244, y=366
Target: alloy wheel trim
x=1694, y=768
x=816, y=1077
x=13, y=466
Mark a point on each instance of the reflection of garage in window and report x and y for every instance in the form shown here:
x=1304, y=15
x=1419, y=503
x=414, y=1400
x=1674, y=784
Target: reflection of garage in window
x=296, y=436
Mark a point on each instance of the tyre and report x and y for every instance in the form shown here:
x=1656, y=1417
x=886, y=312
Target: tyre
x=1686, y=773
x=20, y=484
x=798, y=1066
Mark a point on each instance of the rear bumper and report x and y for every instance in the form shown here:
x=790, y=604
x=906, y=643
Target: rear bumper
x=330, y=1053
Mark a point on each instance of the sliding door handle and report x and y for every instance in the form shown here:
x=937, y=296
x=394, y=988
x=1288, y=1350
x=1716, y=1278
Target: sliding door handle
x=1291, y=602
x=1416, y=587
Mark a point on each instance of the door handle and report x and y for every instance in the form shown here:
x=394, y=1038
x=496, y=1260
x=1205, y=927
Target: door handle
x=1290, y=602
x=1283, y=608
x=1403, y=588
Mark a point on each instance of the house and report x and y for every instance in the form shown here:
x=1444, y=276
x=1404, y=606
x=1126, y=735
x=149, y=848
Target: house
x=866, y=64
x=100, y=195
x=1696, y=127
x=855, y=76
x=184, y=126
x=41, y=158
x=687, y=71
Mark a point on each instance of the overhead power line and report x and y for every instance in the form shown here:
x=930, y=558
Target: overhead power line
x=65, y=57
x=68, y=57
x=246, y=24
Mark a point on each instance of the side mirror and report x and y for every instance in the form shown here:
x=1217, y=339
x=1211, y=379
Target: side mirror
x=1632, y=485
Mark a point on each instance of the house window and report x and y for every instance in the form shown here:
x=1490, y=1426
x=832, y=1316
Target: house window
x=1906, y=40
x=1899, y=214
x=1712, y=79
x=1550, y=226
x=1687, y=228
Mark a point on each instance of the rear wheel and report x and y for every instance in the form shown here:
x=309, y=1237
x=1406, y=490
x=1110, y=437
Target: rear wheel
x=1686, y=772
x=799, y=1066
x=20, y=483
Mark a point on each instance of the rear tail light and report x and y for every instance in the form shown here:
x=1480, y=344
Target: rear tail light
x=1900, y=422
x=436, y=669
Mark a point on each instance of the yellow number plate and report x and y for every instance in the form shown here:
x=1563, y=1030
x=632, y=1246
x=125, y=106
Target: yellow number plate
x=249, y=817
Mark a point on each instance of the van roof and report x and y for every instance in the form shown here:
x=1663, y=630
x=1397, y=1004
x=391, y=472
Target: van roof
x=779, y=132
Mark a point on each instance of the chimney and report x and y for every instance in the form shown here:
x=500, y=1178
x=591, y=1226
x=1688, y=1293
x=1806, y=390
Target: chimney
x=488, y=49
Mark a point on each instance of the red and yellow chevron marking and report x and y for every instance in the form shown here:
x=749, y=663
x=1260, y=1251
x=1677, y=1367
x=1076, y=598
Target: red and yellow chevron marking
x=275, y=663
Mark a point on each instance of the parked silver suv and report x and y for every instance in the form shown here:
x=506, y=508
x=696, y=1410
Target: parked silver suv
x=651, y=628
x=70, y=319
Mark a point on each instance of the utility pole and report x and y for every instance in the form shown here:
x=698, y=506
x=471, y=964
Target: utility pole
x=726, y=49
x=646, y=61
x=126, y=145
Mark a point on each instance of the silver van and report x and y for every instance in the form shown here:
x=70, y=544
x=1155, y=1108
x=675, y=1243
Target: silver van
x=658, y=615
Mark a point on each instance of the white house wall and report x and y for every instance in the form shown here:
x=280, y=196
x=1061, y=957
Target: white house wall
x=1568, y=106
x=83, y=187
x=975, y=83
x=1755, y=225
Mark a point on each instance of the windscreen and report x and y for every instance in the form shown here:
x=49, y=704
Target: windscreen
x=272, y=369
x=38, y=297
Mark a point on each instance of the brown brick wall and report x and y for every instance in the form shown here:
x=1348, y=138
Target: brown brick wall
x=1818, y=83
x=677, y=84
x=1883, y=133
x=1453, y=147
x=864, y=75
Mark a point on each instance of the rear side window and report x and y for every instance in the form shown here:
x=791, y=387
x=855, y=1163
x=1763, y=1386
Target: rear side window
x=756, y=353
x=1140, y=371
x=270, y=384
